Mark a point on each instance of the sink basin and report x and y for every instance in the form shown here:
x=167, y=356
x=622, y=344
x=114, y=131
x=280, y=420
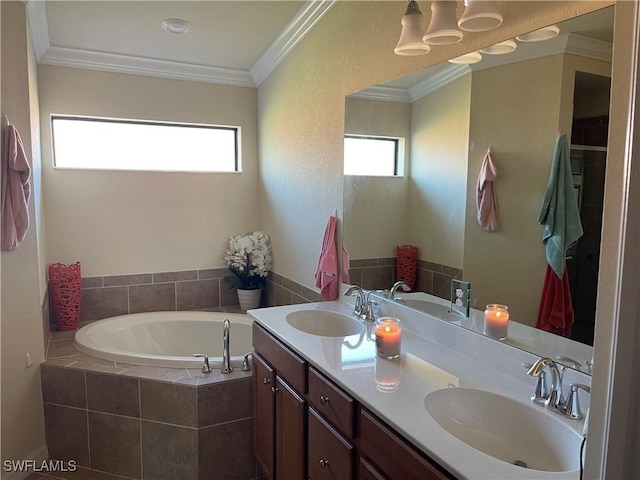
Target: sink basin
x=505, y=429
x=426, y=306
x=324, y=323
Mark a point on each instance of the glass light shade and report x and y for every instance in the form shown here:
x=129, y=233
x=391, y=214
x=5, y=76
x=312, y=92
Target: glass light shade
x=540, y=35
x=479, y=16
x=467, y=59
x=443, y=27
x=501, y=48
x=410, y=42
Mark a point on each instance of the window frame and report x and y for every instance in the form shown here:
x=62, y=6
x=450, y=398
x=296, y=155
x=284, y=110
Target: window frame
x=398, y=162
x=237, y=164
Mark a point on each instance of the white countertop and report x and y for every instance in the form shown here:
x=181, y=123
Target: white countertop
x=441, y=356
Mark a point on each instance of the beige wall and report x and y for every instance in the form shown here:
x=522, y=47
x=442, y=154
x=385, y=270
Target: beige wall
x=132, y=222
x=375, y=208
x=439, y=139
x=22, y=333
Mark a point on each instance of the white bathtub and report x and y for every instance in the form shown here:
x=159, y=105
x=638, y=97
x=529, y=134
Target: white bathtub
x=166, y=339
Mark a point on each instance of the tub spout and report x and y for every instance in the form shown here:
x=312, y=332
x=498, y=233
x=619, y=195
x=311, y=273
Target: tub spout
x=226, y=355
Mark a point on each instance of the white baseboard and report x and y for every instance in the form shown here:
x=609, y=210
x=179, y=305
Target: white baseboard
x=39, y=456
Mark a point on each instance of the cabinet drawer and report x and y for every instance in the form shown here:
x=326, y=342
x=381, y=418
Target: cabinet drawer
x=330, y=455
x=368, y=471
x=286, y=363
x=331, y=402
x=392, y=455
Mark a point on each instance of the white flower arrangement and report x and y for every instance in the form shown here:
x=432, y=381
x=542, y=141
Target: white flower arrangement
x=249, y=259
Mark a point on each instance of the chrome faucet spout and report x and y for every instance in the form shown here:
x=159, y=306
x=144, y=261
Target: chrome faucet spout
x=555, y=393
x=361, y=299
x=396, y=286
x=226, y=355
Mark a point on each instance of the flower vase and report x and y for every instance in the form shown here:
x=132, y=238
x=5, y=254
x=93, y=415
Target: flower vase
x=249, y=298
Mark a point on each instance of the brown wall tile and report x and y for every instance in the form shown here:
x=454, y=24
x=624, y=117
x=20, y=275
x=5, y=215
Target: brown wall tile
x=137, y=279
x=224, y=402
x=213, y=273
x=198, y=294
x=92, y=282
x=115, y=444
x=67, y=433
x=441, y=286
x=377, y=278
x=175, y=276
x=282, y=296
x=169, y=403
x=98, y=303
x=171, y=452
x=113, y=394
x=63, y=386
x=215, y=462
x=152, y=298
x=228, y=295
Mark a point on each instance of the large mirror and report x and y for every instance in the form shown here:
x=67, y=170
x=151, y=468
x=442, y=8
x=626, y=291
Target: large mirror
x=447, y=118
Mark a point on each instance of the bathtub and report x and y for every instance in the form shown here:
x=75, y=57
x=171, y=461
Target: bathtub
x=166, y=339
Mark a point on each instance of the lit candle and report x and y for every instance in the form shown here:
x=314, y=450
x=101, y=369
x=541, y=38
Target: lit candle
x=388, y=374
x=388, y=337
x=496, y=321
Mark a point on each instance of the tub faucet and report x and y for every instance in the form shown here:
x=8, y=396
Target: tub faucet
x=394, y=289
x=226, y=355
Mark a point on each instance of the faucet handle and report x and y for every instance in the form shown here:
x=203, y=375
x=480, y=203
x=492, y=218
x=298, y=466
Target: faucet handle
x=205, y=366
x=572, y=408
x=368, y=315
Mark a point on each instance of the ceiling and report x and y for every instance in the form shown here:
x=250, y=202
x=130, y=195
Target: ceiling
x=233, y=42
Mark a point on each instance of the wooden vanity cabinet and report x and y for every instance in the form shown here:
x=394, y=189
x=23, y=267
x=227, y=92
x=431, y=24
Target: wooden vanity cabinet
x=393, y=457
x=279, y=408
x=307, y=428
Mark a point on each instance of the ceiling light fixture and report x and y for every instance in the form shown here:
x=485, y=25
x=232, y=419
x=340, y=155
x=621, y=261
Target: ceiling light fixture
x=177, y=26
x=501, y=48
x=410, y=42
x=480, y=16
x=443, y=27
x=545, y=33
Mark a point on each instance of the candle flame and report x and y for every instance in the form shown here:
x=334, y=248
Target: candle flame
x=498, y=314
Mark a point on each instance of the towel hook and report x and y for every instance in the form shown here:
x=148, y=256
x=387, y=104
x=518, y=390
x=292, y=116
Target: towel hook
x=5, y=121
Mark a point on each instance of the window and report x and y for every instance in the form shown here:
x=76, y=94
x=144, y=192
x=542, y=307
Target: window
x=115, y=144
x=374, y=156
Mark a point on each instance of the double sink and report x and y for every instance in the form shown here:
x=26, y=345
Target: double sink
x=505, y=429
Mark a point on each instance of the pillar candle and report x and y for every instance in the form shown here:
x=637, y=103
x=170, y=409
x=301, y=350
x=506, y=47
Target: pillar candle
x=388, y=337
x=496, y=321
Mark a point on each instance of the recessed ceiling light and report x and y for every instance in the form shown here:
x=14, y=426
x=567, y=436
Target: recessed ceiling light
x=545, y=33
x=501, y=48
x=177, y=26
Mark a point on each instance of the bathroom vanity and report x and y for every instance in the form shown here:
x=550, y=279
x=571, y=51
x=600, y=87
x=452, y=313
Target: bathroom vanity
x=325, y=407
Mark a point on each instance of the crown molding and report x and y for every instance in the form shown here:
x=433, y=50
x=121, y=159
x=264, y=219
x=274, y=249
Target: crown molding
x=109, y=62
x=435, y=82
x=589, y=47
x=383, y=94
x=299, y=26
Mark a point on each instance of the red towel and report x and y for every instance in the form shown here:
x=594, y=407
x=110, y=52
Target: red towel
x=327, y=272
x=16, y=191
x=555, y=314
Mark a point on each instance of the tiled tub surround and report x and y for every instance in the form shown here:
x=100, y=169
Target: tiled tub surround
x=104, y=297
x=146, y=423
x=380, y=274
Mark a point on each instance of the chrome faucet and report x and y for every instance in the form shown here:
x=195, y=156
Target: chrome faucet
x=555, y=391
x=394, y=289
x=554, y=399
x=361, y=299
x=226, y=355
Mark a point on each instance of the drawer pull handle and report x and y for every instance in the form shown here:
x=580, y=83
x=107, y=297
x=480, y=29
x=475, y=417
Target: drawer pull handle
x=266, y=381
x=324, y=463
x=324, y=400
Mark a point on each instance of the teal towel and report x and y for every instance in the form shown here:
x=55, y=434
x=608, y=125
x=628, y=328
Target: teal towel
x=559, y=214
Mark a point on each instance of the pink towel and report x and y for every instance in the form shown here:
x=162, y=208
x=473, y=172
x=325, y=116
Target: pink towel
x=16, y=191
x=486, y=196
x=555, y=314
x=327, y=271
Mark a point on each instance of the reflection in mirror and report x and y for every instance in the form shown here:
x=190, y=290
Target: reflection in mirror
x=449, y=116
